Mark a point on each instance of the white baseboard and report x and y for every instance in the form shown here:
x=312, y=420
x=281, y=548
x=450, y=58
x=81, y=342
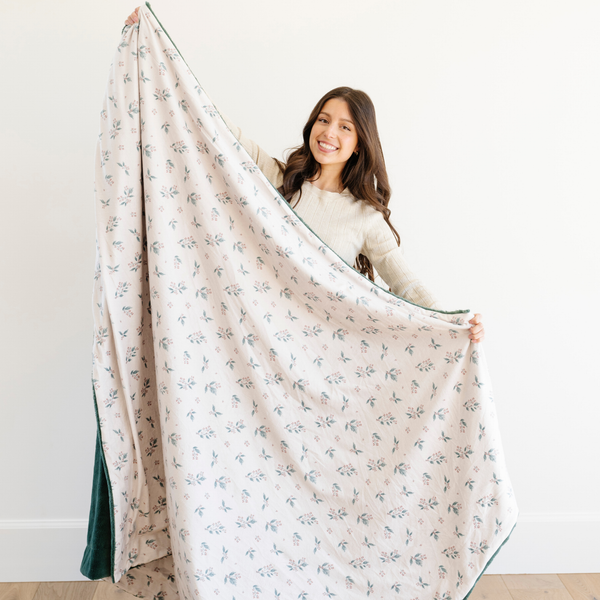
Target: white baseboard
x=551, y=543
x=42, y=550
x=540, y=543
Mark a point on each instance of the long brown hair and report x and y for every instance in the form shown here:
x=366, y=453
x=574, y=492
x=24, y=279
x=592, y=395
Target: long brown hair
x=364, y=174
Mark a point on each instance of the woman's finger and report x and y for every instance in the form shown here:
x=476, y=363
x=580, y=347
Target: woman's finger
x=133, y=17
x=476, y=328
x=477, y=334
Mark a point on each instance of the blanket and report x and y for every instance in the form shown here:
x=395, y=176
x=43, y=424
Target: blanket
x=272, y=424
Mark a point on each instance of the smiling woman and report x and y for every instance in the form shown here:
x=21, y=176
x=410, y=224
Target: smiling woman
x=342, y=152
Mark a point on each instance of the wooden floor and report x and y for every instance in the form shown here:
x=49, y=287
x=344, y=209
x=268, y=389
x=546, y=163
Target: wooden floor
x=577, y=586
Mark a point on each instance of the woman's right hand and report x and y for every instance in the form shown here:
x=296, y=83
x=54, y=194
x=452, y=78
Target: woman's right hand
x=133, y=18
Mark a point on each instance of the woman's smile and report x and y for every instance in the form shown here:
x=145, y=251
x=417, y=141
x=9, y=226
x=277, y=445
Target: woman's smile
x=326, y=146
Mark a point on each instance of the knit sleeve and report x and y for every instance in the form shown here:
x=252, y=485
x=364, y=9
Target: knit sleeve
x=269, y=166
x=381, y=248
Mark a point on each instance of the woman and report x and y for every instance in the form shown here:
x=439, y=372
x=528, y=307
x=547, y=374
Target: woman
x=337, y=182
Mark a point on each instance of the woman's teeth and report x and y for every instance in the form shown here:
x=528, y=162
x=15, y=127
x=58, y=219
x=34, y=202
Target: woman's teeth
x=327, y=146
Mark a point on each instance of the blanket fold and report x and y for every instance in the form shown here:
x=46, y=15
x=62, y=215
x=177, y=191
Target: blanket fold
x=272, y=423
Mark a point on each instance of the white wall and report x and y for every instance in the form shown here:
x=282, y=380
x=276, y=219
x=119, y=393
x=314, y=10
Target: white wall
x=490, y=119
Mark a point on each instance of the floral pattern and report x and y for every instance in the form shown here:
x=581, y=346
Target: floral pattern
x=274, y=425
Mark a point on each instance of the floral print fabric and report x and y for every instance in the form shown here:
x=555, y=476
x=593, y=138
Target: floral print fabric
x=274, y=425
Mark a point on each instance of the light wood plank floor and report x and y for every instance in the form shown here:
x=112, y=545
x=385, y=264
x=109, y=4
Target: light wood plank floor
x=572, y=586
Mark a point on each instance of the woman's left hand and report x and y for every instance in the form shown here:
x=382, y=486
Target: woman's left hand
x=477, y=331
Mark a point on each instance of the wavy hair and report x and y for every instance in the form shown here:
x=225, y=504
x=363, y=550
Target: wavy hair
x=364, y=174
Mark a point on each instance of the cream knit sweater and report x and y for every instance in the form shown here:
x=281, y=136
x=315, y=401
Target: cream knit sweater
x=349, y=227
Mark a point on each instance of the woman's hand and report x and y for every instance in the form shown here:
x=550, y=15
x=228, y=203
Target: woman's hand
x=133, y=18
x=477, y=331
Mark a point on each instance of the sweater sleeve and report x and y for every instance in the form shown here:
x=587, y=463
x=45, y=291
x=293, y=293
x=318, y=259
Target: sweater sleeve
x=381, y=248
x=269, y=166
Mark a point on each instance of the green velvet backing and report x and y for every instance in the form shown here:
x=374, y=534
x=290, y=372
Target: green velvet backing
x=97, y=558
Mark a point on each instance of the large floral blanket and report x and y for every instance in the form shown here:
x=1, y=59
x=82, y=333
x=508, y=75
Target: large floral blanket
x=272, y=423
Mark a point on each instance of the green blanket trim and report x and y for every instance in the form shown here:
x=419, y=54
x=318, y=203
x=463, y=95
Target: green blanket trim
x=98, y=557
x=490, y=561
x=444, y=312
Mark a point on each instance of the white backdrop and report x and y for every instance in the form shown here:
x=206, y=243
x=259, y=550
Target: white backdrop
x=489, y=115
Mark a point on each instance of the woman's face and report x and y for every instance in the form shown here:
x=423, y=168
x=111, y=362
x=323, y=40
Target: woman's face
x=333, y=136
